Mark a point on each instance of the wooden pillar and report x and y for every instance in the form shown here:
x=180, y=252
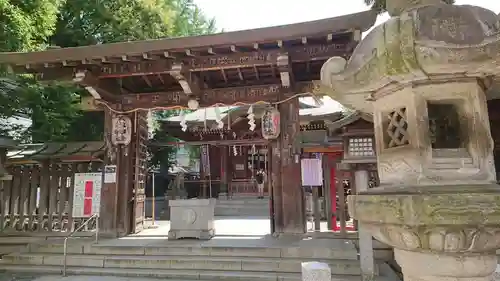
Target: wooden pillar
x=288, y=194
x=276, y=187
x=115, y=195
x=224, y=169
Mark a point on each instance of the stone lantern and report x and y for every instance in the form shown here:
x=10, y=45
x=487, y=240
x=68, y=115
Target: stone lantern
x=425, y=75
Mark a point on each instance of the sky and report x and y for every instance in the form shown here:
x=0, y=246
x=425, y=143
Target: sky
x=232, y=15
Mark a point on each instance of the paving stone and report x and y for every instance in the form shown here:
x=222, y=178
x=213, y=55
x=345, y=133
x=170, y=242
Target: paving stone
x=92, y=278
x=11, y=276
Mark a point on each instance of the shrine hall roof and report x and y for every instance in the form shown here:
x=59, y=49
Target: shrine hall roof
x=361, y=21
x=69, y=152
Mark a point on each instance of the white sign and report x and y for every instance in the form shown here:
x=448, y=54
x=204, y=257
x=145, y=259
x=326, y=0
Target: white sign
x=87, y=194
x=110, y=174
x=312, y=172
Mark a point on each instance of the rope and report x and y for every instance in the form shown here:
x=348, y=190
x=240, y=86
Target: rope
x=183, y=107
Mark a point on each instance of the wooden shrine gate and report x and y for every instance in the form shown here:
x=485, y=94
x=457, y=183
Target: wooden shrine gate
x=272, y=65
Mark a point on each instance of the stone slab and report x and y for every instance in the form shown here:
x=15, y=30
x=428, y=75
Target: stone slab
x=227, y=263
x=316, y=271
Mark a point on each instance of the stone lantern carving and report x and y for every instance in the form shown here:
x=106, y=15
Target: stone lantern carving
x=425, y=76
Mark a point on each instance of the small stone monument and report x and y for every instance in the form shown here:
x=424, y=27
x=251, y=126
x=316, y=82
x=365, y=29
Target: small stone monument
x=316, y=271
x=192, y=218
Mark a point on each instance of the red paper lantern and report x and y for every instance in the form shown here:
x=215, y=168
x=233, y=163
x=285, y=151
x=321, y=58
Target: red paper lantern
x=271, y=124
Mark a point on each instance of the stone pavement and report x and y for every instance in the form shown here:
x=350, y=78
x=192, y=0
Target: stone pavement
x=37, y=277
x=225, y=226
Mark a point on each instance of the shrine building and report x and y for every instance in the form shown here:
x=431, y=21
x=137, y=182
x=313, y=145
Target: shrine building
x=273, y=66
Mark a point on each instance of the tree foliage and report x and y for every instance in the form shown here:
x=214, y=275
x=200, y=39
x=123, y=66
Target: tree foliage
x=380, y=5
x=26, y=24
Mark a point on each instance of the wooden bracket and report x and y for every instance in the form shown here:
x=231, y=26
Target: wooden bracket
x=188, y=82
x=92, y=84
x=285, y=69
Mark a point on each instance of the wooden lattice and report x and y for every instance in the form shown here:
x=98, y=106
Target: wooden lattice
x=397, y=128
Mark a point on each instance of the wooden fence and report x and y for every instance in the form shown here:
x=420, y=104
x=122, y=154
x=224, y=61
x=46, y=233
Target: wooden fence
x=39, y=198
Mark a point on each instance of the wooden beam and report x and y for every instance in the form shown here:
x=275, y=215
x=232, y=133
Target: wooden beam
x=146, y=79
x=248, y=94
x=240, y=74
x=115, y=69
x=256, y=71
x=263, y=57
x=285, y=69
x=212, y=142
x=141, y=68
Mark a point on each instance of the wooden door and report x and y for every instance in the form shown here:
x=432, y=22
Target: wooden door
x=140, y=171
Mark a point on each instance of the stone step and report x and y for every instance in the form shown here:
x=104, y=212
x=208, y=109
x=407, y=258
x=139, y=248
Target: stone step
x=248, y=203
x=18, y=240
x=196, y=250
x=242, y=212
x=11, y=248
x=243, y=264
x=172, y=274
x=241, y=204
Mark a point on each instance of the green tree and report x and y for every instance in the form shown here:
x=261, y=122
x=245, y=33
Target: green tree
x=380, y=5
x=24, y=26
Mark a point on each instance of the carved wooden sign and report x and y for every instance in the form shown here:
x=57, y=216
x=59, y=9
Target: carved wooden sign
x=146, y=100
x=233, y=60
x=210, y=97
x=249, y=94
x=121, y=133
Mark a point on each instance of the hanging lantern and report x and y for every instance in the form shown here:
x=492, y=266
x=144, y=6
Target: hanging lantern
x=271, y=124
x=121, y=130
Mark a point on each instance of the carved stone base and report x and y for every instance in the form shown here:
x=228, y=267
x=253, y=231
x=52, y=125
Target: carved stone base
x=197, y=234
x=451, y=219
x=192, y=218
x=439, y=233
x=418, y=266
